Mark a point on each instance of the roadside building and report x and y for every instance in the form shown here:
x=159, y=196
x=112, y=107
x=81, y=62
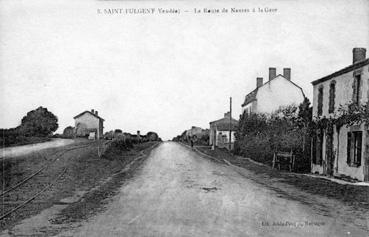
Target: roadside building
x=89, y=122
x=196, y=132
x=219, y=131
x=278, y=91
x=342, y=150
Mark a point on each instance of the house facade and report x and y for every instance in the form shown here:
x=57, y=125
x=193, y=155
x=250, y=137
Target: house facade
x=278, y=91
x=342, y=151
x=88, y=122
x=219, y=132
x=196, y=132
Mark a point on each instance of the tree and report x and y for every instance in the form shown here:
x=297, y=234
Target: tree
x=39, y=123
x=152, y=136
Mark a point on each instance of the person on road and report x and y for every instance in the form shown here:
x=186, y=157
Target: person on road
x=191, y=141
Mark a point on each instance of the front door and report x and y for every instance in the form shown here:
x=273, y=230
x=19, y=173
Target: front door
x=329, y=154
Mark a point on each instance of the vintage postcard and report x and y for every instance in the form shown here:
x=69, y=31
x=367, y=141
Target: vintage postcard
x=184, y=118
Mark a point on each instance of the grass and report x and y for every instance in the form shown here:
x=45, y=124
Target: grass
x=85, y=170
x=357, y=197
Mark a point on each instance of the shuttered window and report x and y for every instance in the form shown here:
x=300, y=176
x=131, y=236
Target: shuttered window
x=354, y=148
x=332, y=96
x=356, y=89
x=349, y=148
x=320, y=101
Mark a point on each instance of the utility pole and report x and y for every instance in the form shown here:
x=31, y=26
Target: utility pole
x=230, y=123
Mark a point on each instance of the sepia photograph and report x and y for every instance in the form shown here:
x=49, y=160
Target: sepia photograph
x=166, y=118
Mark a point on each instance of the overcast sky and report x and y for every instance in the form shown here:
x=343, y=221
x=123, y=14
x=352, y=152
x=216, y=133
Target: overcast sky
x=164, y=73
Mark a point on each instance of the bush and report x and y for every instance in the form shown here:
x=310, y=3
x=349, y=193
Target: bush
x=39, y=123
x=260, y=135
x=68, y=132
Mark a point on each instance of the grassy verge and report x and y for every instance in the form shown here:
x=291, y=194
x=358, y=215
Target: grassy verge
x=357, y=197
x=28, y=141
x=95, y=199
x=85, y=170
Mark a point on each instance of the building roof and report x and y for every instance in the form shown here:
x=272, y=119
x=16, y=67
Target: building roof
x=225, y=127
x=79, y=115
x=342, y=71
x=250, y=97
x=223, y=124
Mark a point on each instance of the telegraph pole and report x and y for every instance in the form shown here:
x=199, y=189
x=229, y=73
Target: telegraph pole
x=230, y=123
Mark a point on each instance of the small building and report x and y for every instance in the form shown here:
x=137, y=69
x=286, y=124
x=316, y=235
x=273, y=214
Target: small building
x=219, y=131
x=342, y=150
x=196, y=132
x=88, y=122
x=277, y=92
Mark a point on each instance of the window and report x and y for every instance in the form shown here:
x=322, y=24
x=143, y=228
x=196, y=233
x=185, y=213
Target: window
x=354, y=145
x=332, y=96
x=320, y=101
x=356, y=89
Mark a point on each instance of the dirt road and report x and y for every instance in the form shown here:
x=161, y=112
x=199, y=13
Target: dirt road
x=179, y=193
x=26, y=149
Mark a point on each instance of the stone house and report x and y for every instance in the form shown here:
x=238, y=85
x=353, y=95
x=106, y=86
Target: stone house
x=278, y=91
x=342, y=151
x=219, y=131
x=88, y=122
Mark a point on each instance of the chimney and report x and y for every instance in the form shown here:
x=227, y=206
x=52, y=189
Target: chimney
x=97, y=113
x=92, y=111
x=287, y=73
x=358, y=54
x=259, y=82
x=138, y=132
x=226, y=115
x=272, y=73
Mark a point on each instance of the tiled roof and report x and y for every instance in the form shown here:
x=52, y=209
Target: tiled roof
x=342, y=71
x=223, y=124
x=250, y=97
x=89, y=113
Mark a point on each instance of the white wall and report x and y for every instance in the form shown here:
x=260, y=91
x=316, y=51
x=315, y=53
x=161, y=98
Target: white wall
x=343, y=93
x=89, y=120
x=278, y=92
x=220, y=133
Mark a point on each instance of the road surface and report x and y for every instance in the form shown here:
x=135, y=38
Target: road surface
x=179, y=193
x=26, y=149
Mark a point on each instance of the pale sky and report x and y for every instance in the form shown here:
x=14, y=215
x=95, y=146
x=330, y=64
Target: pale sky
x=164, y=73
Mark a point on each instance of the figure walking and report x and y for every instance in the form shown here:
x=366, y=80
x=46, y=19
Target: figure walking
x=191, y=141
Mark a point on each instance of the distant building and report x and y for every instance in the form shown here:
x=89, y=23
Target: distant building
x=196, y=132
x=278, y=91
x=219, y=131
x=87, y=122
x=343, y=151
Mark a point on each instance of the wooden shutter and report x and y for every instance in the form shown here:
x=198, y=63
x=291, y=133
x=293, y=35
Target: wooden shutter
x=349, y=148
x=359, y=143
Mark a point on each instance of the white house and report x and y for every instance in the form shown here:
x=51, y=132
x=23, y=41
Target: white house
x=196, y=132
x=87, y=122
x=278, y=91
x=343, y=150
x=219, y=131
